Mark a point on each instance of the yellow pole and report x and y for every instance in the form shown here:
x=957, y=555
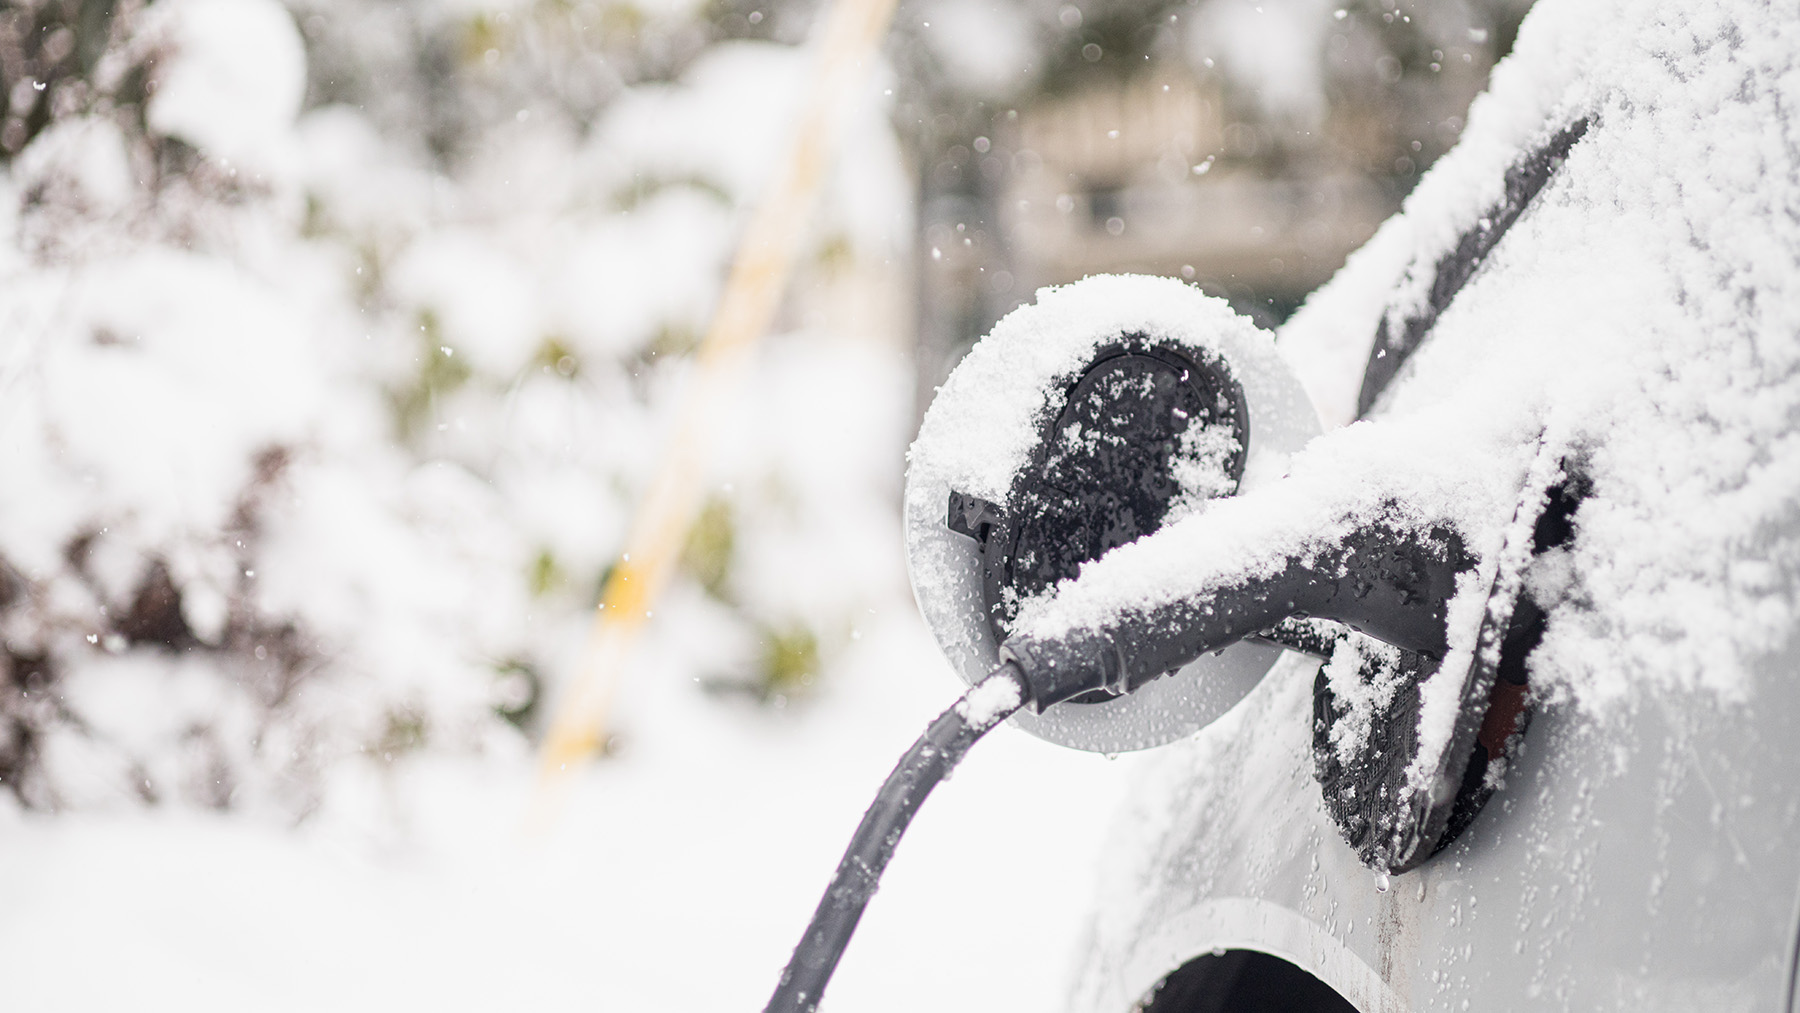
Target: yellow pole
x=765, y=256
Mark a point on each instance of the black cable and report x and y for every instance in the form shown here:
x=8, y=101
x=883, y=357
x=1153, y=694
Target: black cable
x=929, y=761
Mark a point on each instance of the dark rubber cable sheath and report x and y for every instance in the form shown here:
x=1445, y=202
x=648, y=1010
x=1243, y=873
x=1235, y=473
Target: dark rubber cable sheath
x=929, y=761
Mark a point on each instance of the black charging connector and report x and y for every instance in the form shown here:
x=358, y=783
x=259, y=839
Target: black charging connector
x=1392, y=581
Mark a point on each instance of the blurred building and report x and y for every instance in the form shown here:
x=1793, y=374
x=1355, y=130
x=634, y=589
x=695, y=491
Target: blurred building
x=1246, y=147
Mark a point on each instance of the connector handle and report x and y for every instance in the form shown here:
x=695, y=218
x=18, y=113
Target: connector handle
x=1390, y=581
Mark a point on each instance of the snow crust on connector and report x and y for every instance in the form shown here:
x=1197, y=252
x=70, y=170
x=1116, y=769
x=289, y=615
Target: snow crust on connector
x=982, y=428
x=989, y=701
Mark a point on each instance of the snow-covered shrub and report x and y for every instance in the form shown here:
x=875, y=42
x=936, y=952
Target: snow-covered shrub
x=323, y=404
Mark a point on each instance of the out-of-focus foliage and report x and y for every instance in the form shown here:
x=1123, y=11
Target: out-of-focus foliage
x=50, y=53
x=340, y=339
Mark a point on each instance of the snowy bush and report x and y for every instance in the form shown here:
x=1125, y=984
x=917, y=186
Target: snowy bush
x=339, y=339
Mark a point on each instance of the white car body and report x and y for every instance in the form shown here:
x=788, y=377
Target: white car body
x=1644, y=850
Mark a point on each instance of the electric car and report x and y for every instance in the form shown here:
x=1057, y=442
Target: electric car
x=1627, y=189
x=1484, y=698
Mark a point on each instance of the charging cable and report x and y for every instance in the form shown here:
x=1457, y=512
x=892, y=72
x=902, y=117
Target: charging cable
x=930, y=760
x=1036, y=678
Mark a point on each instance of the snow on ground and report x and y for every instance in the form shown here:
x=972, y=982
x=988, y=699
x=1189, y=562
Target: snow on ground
x=679, y=877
